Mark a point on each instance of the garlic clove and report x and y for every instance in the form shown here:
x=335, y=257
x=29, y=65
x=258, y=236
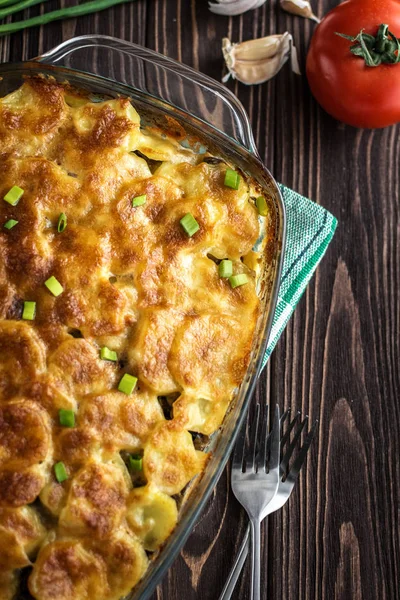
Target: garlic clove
x=257, y=49
x=235, y=7
x=256, y=61
x=299, y=7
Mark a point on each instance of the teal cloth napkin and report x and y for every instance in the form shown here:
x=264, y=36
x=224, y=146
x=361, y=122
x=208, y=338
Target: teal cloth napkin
x=310, y=229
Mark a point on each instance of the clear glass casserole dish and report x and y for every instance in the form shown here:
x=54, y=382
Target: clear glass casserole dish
x=161, y=88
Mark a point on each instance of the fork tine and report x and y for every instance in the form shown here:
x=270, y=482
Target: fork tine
x=264, y=437
x=287, y=433
x=285, y=415
x=251, y=454
x=237, y=459
x=288, y=454
x=298, y=463
x=274, y=455
x=268, y=438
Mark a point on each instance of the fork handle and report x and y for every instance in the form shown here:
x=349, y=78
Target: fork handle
x=255, y=558
x=237, y=567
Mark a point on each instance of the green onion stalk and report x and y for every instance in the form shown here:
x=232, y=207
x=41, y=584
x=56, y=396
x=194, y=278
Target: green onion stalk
x=69, y=12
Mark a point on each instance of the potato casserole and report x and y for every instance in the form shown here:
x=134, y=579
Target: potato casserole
x=128, y=303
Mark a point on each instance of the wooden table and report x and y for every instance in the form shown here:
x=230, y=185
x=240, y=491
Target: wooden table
x=338, y=537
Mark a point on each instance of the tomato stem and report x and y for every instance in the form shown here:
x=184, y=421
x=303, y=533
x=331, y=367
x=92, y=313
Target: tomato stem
x=375, y=50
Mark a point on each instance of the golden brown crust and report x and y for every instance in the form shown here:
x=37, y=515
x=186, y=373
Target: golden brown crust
x=126, y=562
x=18, y=488
x=21, y=532
x=31, y=117
x=170, y=459
x=76, y=369
x=149, y=352
x=54, y=496
x=12, y=555
x=75, y=446
x=22, y=357
x=119, y=423
x=135, y=282
x=25, y=434
x=96, y=500
x=209, y=355
x=66, y=570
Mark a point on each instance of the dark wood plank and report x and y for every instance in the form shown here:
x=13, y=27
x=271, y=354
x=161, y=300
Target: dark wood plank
x=338, y=537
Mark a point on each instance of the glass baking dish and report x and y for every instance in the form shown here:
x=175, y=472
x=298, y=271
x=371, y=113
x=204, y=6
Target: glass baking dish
x=162, y=88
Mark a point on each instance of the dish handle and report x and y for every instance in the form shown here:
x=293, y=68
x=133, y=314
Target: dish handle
x=159, y=76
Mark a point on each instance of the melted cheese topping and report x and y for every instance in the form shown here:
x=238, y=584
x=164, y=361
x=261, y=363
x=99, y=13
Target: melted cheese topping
x=21, y=532
x=96, y=500
x=67, y=570
x=132, y=281
x=152, y=515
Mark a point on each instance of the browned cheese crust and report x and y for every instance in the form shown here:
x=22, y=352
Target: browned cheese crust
x=135, y=282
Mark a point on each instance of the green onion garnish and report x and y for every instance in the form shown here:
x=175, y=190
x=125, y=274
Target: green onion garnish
x=62, y=222
x=136, y=462
x=14, y=195
x=107, y=354
x=232, y=179
x=262, y=206
x=237, y=280
x=54, y=286
x=29, y=311
x=139, y=200
x=189, y=224
x=60, y=472
x=127, y=384
x=10, y=224
x=66, y=417
x=225, y=268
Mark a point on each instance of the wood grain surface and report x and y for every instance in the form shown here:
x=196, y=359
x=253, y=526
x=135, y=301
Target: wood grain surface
x=338, y=361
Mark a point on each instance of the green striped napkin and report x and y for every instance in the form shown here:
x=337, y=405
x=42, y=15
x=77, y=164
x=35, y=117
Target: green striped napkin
x=310, y=229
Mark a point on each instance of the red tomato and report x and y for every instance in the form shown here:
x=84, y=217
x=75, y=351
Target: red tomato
x=342, y=83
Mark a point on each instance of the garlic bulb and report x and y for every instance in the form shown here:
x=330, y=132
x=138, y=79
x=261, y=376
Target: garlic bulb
x=234, y=7
x=256, y=61
x=299, y=7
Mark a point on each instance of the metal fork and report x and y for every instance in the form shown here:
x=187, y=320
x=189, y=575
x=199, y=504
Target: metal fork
x=286, y=484
x=255, y=481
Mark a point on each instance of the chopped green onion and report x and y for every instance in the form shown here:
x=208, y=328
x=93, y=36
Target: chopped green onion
x=60, y=472
x=107, y=354
x=189, y=224
x=29, y=311
x=54, y=286
x=262, y=206
x=127, y=384
x=66, y=417
x=62, y=223
x=136, y=462
x=10, y=224
x=225, y=268
x=14, y=195
x=232, y=179
x=237, y=280
x=139, y=200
